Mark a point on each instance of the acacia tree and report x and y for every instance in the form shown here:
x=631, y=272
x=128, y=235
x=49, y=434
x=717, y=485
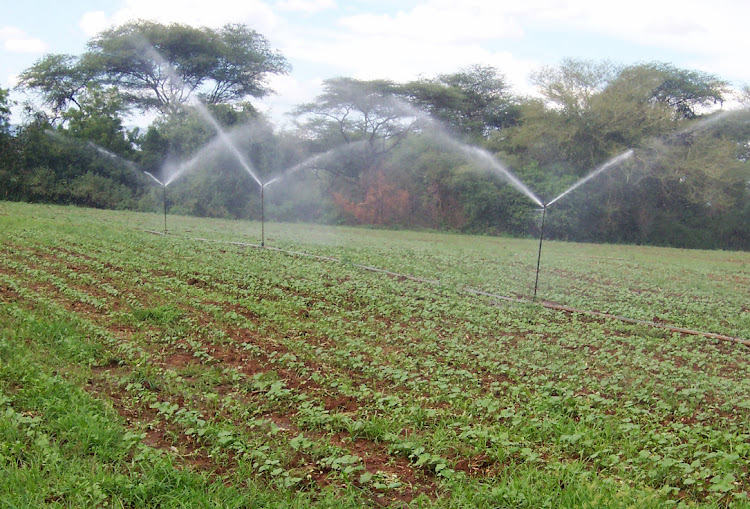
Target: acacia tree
x=59, y=79
x=684, y=91
x=352, y=112
x=474, y=101
x=160, y=67
x=571, y=85
x=593, y=110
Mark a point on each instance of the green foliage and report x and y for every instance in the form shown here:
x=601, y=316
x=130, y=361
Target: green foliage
x=473, y=102
x=156, y=66
x=5, y=104
x=361, y=152
x=98, y=120
x=224, y=65
x=59, y=79
x=351, y=111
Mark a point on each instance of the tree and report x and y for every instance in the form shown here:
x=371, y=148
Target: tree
x=571, y=86
x=9, y=179
x=594, y=110
x=98, y=120
x=474, y=101
x=686, y=92
x=384, y=202
x=744, y=95
x=351, y=111
x=5, y=105
x=160, y=67
x=59, y=79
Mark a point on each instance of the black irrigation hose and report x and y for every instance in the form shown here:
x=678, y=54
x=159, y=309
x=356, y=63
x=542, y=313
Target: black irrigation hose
x=546, y=304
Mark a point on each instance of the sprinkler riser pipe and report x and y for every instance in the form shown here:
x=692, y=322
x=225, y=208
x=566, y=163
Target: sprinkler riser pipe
x=165, y=208
x=262, y=217
x=539, y=255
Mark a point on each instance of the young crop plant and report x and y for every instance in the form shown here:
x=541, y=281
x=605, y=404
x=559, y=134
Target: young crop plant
x=255, y=376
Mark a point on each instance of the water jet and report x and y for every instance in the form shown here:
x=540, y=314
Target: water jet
x=203, y=111
x=164, y=189
x=597, y=171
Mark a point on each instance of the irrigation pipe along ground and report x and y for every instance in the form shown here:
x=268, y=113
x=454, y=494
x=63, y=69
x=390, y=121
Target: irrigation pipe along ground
x=520, y=300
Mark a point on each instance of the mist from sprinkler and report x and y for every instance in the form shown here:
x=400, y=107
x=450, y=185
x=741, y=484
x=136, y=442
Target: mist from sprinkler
x=203, y=111
x=593, y=174
x=310, y=162
x=477, y=154
x=134, y=166
x=112, y=155
x=485, y=157
x=596, y=172
x=118, y=159
x=164, y=196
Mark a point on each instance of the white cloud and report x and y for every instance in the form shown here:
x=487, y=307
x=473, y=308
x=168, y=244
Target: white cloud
x=401, y=59
x=94, y=22
x=12, y=80
x=290, y=92
x=16, y=40
x=306, y=6
x=439, y=22
x=8, y=32
x=443, y=35
x=30, y=45
x=427, y=37
x=256, y=14
x=683, y=25
x=432, y=38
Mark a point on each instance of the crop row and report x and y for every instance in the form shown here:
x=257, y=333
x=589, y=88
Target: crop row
x=442, y=381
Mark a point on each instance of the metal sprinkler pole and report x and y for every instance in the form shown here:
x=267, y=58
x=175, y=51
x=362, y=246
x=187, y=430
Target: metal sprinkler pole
x=165, y=208
x=262, y=217
x=539, y=256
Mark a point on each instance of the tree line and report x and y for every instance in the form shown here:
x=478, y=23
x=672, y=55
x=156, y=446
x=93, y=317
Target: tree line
x=383, y=153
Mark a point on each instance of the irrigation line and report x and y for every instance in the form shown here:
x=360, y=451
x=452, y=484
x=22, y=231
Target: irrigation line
x=518, y=300
x=711, y=335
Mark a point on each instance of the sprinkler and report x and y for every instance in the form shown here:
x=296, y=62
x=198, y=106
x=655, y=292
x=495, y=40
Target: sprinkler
x=539, y=256
x=609, y=164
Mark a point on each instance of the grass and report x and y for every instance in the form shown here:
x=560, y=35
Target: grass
x=142, y=370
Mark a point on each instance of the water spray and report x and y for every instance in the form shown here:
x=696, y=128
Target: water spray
x=202, y=109
x=164, y=189
x=597, y=171
x=310, y=162
x=134, y=166
x=609, y=164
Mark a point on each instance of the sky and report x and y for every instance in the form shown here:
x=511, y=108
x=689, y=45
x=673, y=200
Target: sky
x=404, y=40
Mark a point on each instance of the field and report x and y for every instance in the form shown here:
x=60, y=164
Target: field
x=146, y=370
